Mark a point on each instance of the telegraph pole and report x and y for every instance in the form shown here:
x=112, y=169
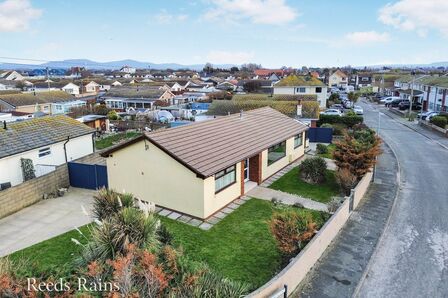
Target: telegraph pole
x=412, y=95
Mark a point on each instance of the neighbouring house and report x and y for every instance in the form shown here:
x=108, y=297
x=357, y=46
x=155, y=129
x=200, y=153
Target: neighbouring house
x=91, y=87
x=8, y=85
x=71, y=88
x=14, y=116
x=122, y=98
x=302, y=85
x=116, y=83
x=34, y=102
x=338, y=79
x=226, y=86
x=212, y=162
x=256, y=86
x=128, y=69
x=64, y=107
x=11, y=76
x=47, y=142
x=435, y=92
x=361, y=80
x=98, y=122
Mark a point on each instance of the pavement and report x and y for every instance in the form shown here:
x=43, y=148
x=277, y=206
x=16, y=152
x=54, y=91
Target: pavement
x=44, y=220
x=340, y=269
x=411, y=259
x=268, y=194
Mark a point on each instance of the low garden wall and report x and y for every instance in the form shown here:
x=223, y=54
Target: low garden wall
x=27, y=193
x=361, y=188
x=293, y=274
x=435, y=127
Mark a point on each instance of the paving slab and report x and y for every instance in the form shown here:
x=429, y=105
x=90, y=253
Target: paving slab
x=195, y=222
x=174, y=215
x=205, y=226
x=44, y=220
x=184, y=218
x=165, y=212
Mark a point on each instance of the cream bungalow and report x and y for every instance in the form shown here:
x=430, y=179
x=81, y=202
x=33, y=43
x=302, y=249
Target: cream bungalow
x=200, y=168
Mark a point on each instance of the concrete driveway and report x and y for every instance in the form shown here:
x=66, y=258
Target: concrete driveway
x=44, y=220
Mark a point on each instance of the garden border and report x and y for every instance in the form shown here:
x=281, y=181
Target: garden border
x=293, y=274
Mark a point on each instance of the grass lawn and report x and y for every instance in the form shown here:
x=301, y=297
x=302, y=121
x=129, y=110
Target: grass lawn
x=329, y=154
x=54, y=256
x=240, y=247
x=113, y=139
x=291, y=183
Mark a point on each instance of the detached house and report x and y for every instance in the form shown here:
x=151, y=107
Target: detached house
x=302, y=85
x=200, y=168
x=48, y=142
x=338, y=79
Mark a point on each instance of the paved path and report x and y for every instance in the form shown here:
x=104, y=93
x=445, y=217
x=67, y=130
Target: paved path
x=268, y=194
x=341, y=267
x=412, y=258
x=44, y=220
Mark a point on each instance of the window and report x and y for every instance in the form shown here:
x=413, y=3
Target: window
x=276, y=152
x=318, y=89
x=302, y=90
x=225, y=178
x=365, y=79
x=297, y=140
x=44, y=152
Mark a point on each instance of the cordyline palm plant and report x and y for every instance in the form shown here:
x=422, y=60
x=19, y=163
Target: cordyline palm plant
x=108, y=202
x=113, y=235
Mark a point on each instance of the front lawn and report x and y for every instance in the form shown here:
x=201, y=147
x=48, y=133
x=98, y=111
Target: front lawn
x=240, y=247
x=114, y=139
x=329, y=154
x=54, y=256
x=291, y=183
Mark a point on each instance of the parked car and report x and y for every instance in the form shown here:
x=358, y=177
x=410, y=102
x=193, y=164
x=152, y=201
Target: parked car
x=394, y=103
x=424, y=115
x=336, y=112
x=404, y=105
x=358, y=110
x=388, y=99
x=338, y=106
x=347, y=104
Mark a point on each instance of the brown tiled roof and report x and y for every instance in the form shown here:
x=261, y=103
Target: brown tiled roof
x=210, y=146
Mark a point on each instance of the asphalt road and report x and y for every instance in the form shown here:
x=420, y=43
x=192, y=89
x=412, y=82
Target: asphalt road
x=411, y=259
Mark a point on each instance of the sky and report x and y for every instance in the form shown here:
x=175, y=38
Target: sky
x=272, y=33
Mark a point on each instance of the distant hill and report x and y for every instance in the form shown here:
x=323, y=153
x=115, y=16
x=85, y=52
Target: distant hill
x=429, y=65
x=89, y=64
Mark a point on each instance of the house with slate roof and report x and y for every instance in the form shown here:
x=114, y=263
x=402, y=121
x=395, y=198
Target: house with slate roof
x=211, y=163
x=47, y=141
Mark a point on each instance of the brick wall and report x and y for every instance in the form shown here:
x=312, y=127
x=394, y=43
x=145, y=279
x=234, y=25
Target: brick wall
x=20, y=196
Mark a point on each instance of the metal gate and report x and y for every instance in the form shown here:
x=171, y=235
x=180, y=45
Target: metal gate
x=320, y=134
x=87, y=175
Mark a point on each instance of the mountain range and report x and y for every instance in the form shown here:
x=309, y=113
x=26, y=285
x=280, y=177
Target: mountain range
x=89, y=64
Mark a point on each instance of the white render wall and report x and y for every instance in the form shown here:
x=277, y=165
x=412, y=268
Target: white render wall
x=309, y=90
x=11, y=170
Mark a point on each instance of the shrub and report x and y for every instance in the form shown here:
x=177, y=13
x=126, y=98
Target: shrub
x=439, y=121
x=321, y=149
x=357, y=152
x=112, y=115
x=312, y=170
x=291, y=231
x=339, y=129
x=346, y=180
x=348, y=120
x=326, y=125
x=107, y=202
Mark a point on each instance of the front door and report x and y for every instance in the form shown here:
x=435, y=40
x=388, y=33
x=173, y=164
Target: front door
x=246, y=170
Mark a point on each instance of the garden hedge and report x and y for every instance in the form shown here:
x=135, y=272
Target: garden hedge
x=348, y=120
x=439, y=121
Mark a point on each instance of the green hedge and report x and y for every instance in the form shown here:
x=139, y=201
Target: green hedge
x=439, y=121
x=223, y=107
x=350, y=120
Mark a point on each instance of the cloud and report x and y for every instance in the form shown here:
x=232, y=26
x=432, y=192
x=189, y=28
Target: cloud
x=416, y=15
x=163, y=17
x=222, y=57
x=367, y=37
x=270, y=12
x=15, y=15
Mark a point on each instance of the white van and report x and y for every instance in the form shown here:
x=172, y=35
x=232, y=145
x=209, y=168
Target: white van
x=388, y=100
